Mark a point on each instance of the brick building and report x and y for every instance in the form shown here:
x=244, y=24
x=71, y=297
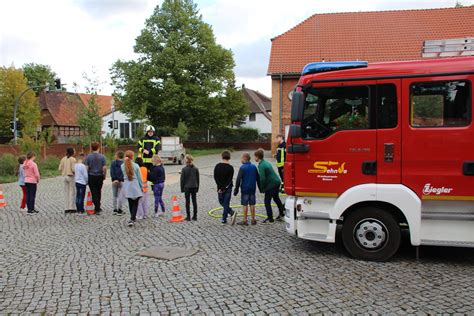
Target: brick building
x=373, y=36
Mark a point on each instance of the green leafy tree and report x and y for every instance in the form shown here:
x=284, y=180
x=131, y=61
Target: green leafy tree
x=90, y=120
x=12, y=84
x=181, y=72
x=38, y=75
x=182, y=131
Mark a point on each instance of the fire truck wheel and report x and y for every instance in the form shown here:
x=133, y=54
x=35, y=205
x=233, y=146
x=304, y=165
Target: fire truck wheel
x=371, y=233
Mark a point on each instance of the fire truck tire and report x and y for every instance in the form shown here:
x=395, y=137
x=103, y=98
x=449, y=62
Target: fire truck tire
x=371, y=233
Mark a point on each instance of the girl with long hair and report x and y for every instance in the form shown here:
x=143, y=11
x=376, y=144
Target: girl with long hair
x=32, y=178
x=157, y=177
x=132, y=185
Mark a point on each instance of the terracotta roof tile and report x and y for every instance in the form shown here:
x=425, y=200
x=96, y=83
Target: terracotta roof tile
x=65, y=107
x=372, y=36
x=103, y=101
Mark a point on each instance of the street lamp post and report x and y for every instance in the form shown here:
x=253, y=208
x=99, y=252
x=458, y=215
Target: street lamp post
x=113, y=116
x=15, y=110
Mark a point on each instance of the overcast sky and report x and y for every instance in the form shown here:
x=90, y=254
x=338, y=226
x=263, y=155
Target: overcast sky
x=75, y=36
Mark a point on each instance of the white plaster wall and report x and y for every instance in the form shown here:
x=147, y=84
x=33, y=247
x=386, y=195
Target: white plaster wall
x=261, y=123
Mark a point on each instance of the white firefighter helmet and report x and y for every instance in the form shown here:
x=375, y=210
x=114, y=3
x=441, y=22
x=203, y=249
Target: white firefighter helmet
x=150, y=128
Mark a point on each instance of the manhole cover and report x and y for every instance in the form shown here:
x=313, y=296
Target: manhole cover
x=167, y=253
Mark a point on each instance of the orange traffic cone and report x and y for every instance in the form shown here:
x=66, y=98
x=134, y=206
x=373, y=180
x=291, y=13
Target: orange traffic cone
x=176, y=213
x=2, y=200
x=89, y=206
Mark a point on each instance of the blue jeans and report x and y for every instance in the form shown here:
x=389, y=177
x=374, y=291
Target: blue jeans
x=224, y=200
x=80, y=195
x=158, y=193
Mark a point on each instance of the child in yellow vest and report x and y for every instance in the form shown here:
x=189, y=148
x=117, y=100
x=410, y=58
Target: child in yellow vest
x=142, y=211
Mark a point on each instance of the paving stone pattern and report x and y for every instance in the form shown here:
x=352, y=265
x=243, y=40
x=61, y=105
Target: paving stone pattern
x=72, y=264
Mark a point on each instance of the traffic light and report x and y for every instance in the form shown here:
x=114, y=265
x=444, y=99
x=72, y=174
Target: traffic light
x=19, y=126
x=111, y=124
x=57, y=84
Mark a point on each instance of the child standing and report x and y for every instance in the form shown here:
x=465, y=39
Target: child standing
x=32, y=178
x=132, y=185
x=269, y=184
x=66, y=167
x=157, y=177
x=143, y=204
x=81, y=178
x=117, y=182
x=223, y=176
x=21, y=181
x=247, y=179
x=190, y=186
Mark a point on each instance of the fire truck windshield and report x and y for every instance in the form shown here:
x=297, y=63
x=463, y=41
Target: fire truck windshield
x=330, y=109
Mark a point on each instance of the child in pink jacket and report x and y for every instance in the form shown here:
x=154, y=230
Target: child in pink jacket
x=32, y=178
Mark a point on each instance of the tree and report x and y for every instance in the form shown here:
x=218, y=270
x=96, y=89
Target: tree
x=90, y=120
x=182, y=131
x=181, y=72
x=12, y=84
x=38, y=75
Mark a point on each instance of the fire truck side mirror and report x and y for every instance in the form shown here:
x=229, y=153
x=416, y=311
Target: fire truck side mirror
x=295, y=131
x=297, y=106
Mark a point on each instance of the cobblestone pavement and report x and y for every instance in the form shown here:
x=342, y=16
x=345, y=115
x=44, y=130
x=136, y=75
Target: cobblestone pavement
x=56, y=263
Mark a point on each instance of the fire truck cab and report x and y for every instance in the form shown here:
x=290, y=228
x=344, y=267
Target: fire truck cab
x=373, y=148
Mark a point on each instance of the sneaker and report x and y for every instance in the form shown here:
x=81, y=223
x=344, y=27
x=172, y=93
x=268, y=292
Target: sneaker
x=268, y=221
x=280, y=218
x=35, y=211
x=194, y=218
x=30, y=212
x=120, y=212
x=254, y=222
x=243, y=223
x=156, y=214
x=223, y=222
x=114, y=212
x=233, y=217
x=131, y=223
x=140, y=217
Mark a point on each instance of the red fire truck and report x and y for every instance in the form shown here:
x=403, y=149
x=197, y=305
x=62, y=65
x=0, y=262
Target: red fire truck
x=374, y=148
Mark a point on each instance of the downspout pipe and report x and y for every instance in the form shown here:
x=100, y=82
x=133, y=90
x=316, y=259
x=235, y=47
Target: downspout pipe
x=281, y=104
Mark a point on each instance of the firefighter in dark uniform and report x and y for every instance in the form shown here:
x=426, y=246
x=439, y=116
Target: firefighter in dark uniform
x=148, y=146
x=281, y=158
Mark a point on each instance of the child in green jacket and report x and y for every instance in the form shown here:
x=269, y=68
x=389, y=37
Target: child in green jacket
x=269, y=184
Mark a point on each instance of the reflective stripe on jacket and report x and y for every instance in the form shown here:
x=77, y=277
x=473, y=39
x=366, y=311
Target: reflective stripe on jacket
x=281, y=155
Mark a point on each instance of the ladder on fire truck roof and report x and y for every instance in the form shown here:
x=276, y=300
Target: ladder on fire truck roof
x=449, y=47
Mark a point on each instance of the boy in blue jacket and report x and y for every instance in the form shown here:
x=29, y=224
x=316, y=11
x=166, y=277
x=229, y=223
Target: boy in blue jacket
x=247, y=180
x=117, y=182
